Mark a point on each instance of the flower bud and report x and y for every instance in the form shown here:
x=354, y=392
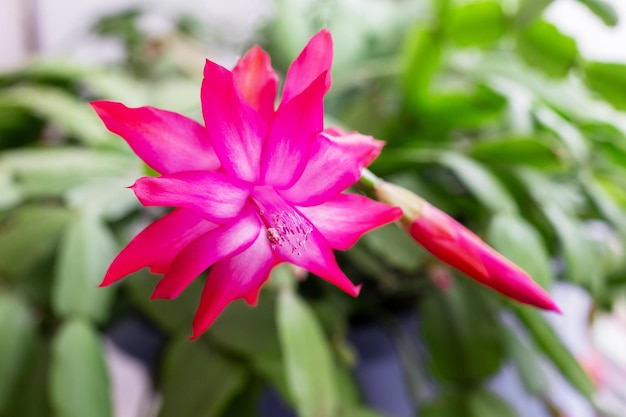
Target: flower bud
x=457, y=246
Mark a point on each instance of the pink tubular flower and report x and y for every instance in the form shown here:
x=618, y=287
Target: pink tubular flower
x=457, y=246
x=252, y=188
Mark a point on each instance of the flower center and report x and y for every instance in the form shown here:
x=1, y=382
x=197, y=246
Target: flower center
x=285, y=226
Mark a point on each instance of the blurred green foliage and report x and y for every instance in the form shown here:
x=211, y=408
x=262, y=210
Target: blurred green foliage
x=488, y=110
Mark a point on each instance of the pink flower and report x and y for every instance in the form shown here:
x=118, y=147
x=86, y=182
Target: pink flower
x=252, y=188
x=457, y=246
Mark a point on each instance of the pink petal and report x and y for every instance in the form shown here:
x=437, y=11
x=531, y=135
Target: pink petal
x=158, y=243
x=239, y=276
x=213, y=195
x=257, y=82
x=236, y=129
x=314, y=60
x=166, y=141
x=345, y=218
x=335, y=163
x=291, y=135
x=227, y=240
x=317, y=257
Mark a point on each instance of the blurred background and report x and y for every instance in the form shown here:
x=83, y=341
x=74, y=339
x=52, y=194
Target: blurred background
x=507, y=114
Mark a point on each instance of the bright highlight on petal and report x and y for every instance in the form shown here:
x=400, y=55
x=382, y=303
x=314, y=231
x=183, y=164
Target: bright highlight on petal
x=253, y=188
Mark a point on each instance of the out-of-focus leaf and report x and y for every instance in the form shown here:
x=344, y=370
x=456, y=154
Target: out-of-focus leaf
x=543, y=46
x=447, y=405
x=17, y=331
x=526, y=362
x=483, y=404
x=249, y=331
x=291, y=28
x=465, y=110
x=604, y=10
x=481, y=182
x=566, y=131
x=197, y=381
x=606, y=205
x=49, y=172
x=115, y=85
x=359, y=412
x=581, y=254
x=10, y=194
x=608, y=80
x=395, y=246
x=529, y=10
x=307, y=356
x=546, y=191
x=106, y=198
x=549, y=343
x=173, y=316
x=30, y=235
x=476, y=23
x=79, y=382
x=422, y=57
x=530, y=151
x=519, y=241
x=29, y=398
x=64, y=110
x=461, y=330
x=86, y=251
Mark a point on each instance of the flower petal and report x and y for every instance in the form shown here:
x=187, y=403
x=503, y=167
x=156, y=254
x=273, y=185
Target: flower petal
x=239, y=276
x=236, y=129
x=213, y=195
x=335, y=163
x=166, y=141
x=317, y=257
x=227, y=240
x=314, y=60
x=158, y=243
x=291, y=135
x=256, y=81
x=345, y=218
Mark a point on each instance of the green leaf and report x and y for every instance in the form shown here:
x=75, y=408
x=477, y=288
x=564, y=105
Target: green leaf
x=525, y=358
x=569, y=133
x=476, y=23
x=79, y=382
x=249, y=331
x=480, y=181
x=29, y=236
x=462, y=333
x=543, y=46
x=447, y=405
x=105, y=198
x=604, y=10
x=50, y=172
x=529, y=10
x=30, y=396
x=10, y=194
x=170, y=315
x=608, y=80
x=530, y=151
x=483, y=403
x=64, y=110
x=519, y=241
x=17, y=331
x=549, y=343
x=308, y=360
x=197, y=381
x=422, y=57
x=86, y=251
x=395, y=247
x=581, y=254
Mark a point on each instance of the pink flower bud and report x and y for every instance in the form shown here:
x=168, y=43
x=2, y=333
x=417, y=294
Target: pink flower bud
x=457, y=246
